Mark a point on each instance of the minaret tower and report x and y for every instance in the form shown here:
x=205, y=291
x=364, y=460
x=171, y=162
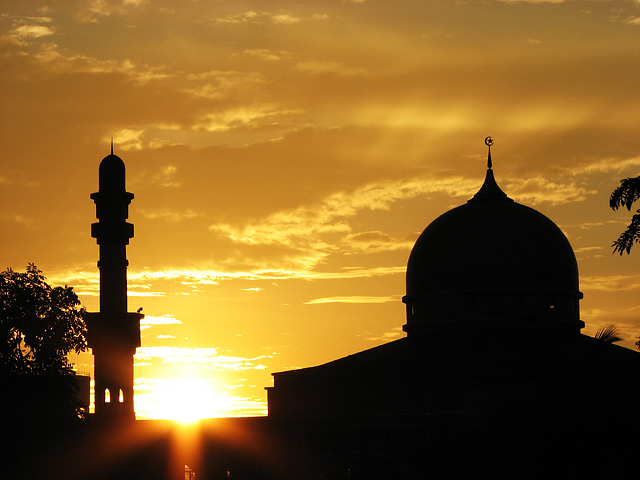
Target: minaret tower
x=113, y=333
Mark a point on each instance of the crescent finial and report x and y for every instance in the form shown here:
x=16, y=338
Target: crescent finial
x=488, y=141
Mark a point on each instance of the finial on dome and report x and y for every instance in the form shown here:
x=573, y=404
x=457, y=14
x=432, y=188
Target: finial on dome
x=111, y=145
x=488, y=142
x=490, y=189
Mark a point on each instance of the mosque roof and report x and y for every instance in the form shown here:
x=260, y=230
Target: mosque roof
x=489, y=243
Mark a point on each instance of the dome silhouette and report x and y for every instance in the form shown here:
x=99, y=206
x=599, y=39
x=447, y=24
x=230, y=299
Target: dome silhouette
x=492, y=258
x=111, y=174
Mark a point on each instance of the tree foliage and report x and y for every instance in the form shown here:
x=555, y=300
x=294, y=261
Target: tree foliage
x=39, y=324
x=608, y=334
x=624, y=196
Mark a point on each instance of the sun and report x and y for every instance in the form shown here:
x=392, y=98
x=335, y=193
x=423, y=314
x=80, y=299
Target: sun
x=187, y=400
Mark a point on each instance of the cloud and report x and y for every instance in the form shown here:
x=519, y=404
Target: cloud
x=250, y=116
x=531, y=1
x=57, y=60
x=610, y=283
x=265, y=54
x=216, y=84
x=169, y=319
x=285, y=18
x=587, y=249
x=377, y=241
x=23, y=34
x=27, y=222
x=33, y=31
x=208, y=356
x=603, y=165
x=538, y=190
x=260, y=17
x=169, y=215
x=244, y=17
x=328, y=216
x=317, y=67
x=161, y=283
x=384, y=337
x=209, y=277
x=351, y=299
x=93, y=10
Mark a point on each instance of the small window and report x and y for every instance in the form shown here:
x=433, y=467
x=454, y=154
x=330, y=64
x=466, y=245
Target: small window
x=107, y=396
x=121, y=396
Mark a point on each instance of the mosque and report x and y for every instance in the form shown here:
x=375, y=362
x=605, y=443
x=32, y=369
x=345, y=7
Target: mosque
x=492, y=296
x=494, y=378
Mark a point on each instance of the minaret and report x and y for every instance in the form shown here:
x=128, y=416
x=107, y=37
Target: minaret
x=113, y=333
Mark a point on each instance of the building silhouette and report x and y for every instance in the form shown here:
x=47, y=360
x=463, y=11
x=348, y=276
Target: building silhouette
x=494, y=378
x=113, y=333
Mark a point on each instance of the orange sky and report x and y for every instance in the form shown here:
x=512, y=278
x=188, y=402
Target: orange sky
x=285, y=155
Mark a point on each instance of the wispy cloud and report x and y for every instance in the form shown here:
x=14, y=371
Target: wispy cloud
x=266, y=54
x=251, y=16
x=318, y=66
x=59, y=60
x=285, y=18
x=134, y=139
x=150, y=320
x=329, y=216
x=538, y=190
x=602, y=165
x=169, y=215
x=610, y=283
x=93, y=10
x=23, y=34
x=243, y=17
x=351, y=299
x=208, y=356
x=389, y=336
x=242, y=117
x=377, y=241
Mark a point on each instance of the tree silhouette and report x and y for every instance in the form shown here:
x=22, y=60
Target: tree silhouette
x=608, y=334
x=625, y=195
x=39, y=324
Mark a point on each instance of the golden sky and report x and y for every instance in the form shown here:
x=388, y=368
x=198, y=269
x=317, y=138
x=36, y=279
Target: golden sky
x=285, y=155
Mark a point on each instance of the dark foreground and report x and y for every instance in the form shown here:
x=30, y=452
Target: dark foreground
x=383, y=448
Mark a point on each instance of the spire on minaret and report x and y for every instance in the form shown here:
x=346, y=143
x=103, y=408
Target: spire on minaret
x=111, y=145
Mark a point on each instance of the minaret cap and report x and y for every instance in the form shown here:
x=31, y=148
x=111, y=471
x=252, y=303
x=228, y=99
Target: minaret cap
x=111, y=176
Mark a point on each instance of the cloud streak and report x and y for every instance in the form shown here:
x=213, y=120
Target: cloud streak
x=351, y=299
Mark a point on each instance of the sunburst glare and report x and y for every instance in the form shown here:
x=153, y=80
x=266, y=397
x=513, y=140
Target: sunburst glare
x=187, y=400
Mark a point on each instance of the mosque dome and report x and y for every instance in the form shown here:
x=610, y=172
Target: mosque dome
x=492, y=260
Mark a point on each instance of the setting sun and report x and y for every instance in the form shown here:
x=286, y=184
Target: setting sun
x=187, y=401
